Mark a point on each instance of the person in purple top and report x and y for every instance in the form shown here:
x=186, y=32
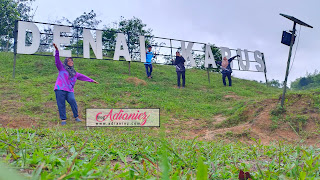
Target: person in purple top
x=64, y=86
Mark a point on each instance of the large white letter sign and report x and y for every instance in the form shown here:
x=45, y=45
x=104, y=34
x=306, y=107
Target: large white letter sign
x=247, y=66
x=121, y=39
x=142, y=48
x=58, y=40
x=209, y=59
x=225, y=50
x=96, y=45
x=186, y=53
x=259, y=61
x=21, y=46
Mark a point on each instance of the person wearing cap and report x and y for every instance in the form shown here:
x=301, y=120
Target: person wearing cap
x=148, y=64
x=226, y=69
x=180, y=69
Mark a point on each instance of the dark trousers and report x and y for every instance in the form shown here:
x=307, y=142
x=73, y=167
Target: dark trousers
x=148, y=69
x=183, y=73
x=224, y=75
x=61, y=97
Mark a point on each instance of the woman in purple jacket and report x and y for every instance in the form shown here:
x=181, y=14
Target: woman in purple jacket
x=64, y=86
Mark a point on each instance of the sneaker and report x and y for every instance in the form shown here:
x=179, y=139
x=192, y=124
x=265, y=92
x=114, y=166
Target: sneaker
x=63, y=123
x=78, y=120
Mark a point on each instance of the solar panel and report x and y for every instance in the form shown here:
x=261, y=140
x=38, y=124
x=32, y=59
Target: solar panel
x=296, y=20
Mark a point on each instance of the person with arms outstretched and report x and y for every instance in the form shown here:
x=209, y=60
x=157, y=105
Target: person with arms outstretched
x=64, y=86
x=226, y=69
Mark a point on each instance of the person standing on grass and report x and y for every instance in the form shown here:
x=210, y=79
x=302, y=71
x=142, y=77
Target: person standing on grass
x=180, y=69
x=64, y=86
x=148, y=63
x=226, y=69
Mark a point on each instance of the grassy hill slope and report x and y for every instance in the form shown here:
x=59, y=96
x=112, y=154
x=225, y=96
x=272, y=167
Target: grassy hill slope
x=31, y=93
x=220, y=115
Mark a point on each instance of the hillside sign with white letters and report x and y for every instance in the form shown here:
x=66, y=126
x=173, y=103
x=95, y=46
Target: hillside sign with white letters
x=96, y=44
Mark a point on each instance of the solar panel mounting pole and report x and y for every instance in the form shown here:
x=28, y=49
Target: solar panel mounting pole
x=288, y=65
x=295, y=22
x=265, y=69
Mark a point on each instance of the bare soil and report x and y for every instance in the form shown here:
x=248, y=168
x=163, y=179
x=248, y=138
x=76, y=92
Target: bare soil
x=258, y=125
x=136, y=81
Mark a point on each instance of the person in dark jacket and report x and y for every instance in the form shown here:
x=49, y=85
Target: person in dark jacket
x=180, y=69
x=226, y=69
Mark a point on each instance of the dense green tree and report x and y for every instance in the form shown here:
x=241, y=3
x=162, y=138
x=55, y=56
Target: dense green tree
x=133, y=28
x=199, y=59
x=275, y=83
x=109, y=41
x=10, y=11
x=86, y=20
x=310, y=81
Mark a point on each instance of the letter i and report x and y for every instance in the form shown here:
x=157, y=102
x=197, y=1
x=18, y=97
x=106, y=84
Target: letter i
x=136, y=115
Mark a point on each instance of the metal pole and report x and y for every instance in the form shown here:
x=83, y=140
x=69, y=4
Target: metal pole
x=265, y=69
x=288, y=65
x=238, y=61
x=15, y=48
x=129, y=68
x=130, y=53
x=77, y=41
x=171, y=48
x=208, y=75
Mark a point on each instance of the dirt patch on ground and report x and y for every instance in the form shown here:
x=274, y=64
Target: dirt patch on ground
x=259, y=125
x=18, y=121
x=232, y=96
x=10, y=105
x=136, y=81
x=51, y=104
x=24, y=121
x=218, y=119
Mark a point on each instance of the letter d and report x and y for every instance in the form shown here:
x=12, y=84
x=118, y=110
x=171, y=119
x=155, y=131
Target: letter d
x=21, y=46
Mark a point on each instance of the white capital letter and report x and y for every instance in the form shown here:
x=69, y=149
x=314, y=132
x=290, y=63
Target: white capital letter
x=121, y=39
x=21, y=46
x=259, y=61
x=186, y=53
x=142, y=48
x=96, y=45
x=247, y=66
x=58, y=40
x=209, y=58
x=225, y=50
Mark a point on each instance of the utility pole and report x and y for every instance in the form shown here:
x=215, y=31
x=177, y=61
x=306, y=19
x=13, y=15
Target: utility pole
x=295, y=22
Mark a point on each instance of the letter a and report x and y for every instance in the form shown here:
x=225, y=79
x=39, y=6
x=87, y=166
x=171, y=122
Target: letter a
x=121, y=39
x=209, y=58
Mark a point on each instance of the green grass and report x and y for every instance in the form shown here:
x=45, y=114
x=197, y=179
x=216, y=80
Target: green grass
x=137, y=153
x=129, y=155
x=36, y=75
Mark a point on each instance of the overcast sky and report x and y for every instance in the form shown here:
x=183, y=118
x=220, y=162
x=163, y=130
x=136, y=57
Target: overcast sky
x=245, y=24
